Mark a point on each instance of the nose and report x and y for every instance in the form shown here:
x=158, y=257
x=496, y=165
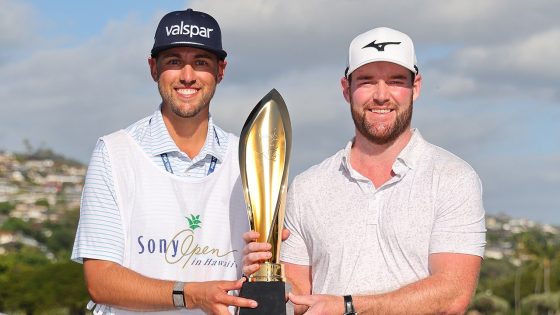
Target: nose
x=381, y=93
x=187, y=75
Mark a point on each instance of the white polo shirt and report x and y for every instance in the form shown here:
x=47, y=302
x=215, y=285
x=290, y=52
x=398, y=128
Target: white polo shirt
x=359, y=239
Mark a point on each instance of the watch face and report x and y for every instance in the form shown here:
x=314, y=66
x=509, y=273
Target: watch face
x=349, y=306
x=178, y=294
x=178, y=299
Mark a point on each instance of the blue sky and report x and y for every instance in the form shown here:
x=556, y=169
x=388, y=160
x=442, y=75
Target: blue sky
x=71, y=71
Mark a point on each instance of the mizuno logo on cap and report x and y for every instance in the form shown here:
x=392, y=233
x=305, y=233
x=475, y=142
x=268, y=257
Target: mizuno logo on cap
x=380, y=46
x=192, y=30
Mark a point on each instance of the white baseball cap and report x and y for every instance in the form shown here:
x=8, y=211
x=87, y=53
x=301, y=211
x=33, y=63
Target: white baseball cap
x=381, y=44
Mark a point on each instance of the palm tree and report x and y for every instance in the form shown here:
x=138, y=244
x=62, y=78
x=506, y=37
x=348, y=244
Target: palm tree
x=540, y=247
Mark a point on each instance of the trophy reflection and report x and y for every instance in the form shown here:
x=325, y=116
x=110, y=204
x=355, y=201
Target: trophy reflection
x=264, y=155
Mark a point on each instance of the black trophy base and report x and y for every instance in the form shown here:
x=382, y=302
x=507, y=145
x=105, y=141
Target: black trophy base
x=271, y=297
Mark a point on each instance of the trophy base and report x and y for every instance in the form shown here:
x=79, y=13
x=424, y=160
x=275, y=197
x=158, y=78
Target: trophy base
x=271, y=297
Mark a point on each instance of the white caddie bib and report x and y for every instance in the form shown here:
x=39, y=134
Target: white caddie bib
x=177, y=228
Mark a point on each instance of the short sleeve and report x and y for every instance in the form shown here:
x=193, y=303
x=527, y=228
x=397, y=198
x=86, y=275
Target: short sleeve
x=459, y=226
x=100, y=230
x=294, y=250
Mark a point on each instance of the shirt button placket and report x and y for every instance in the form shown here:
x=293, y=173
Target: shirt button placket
x=372, y=211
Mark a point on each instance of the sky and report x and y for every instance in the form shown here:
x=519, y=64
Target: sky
x=72, y=71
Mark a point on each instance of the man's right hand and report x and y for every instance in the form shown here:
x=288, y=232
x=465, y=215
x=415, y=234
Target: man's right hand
x=212, y=296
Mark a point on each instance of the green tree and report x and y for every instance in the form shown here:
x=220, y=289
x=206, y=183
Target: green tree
x=538, y=249
x=32, y=285
x=493, y=269
x=16, y=225
x=69, y=287
x=63, y=232
x=542, y=304
x=542, y=248
x=6, y=207
x=42, y=202
x=488, y=303
x=16, y=273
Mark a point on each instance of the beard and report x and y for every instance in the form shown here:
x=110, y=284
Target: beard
x=380, y=134
x=177, y=106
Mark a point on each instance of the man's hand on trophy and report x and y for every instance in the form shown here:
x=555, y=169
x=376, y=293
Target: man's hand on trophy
x=212, y=296
x=255, y=253
x=319, y=304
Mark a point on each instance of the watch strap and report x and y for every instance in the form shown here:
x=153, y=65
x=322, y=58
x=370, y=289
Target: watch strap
x=178, y=294
x=349, y=306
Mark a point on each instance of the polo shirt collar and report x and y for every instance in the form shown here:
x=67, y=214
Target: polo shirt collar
x=412, y=152
x=161, y=142
x=212, y=144
x=407, y=158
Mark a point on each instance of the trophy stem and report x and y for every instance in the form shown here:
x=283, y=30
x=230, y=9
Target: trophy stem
x=268, y=272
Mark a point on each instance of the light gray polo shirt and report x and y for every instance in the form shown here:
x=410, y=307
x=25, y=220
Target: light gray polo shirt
x=359, y=239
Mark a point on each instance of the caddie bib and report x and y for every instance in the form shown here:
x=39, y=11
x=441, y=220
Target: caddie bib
x=178, y=228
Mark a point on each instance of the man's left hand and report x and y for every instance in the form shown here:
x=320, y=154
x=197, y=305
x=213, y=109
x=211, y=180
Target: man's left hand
x=255, y=253
x=319, y=304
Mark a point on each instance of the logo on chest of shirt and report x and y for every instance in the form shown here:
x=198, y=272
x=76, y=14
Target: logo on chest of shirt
x=184, y=249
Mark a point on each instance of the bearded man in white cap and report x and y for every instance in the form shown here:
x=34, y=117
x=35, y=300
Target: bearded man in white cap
x=391, y=224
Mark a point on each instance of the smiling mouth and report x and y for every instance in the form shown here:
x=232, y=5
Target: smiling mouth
x=380, y=111
x=186, y=92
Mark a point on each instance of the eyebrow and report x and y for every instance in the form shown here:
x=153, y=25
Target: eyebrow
x=204, y=55
x=399, y=77
x=392, y=77
x=169, y=55
x=364, y=77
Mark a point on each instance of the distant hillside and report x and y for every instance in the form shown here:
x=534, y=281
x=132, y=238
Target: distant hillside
x=46, y=154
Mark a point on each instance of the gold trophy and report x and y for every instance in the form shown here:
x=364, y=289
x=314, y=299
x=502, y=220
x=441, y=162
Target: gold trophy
x=264, y=155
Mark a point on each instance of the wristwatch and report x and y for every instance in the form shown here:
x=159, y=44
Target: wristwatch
x=179, y=294
x=349, y=306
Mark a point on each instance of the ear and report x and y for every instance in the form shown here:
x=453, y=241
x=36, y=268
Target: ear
x=152, y=62
x=345, y=84
x=221, y=69
x=416, y=86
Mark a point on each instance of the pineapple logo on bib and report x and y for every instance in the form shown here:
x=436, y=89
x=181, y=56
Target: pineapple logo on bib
x=194, y=221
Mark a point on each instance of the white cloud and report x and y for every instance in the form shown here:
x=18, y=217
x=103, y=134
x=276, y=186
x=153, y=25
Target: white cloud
x=520, y=68
x=500, y=46
x=90, y=89
x=534, y=55
x=318, y=112
x=481, y=76
x=18, y=26
x=527, y=186
x=16, y=22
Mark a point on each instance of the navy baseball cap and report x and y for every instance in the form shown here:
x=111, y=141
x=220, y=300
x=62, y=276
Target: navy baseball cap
x=188, y=28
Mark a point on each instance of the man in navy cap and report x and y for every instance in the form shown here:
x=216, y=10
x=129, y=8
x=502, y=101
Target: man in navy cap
x=162, y=210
